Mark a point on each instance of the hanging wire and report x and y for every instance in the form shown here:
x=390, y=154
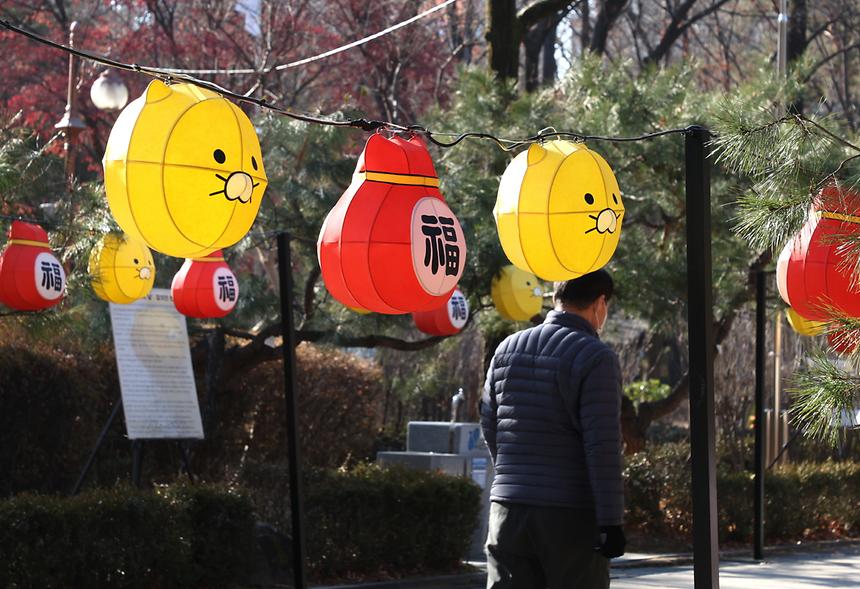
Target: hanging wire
x=329, y=53
x=173, y=76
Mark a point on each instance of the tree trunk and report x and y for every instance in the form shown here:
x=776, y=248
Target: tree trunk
x=608, y=14
x=634, y=424
x=503, y=38
x=797, y=43
x=550, y=68
x=534, y=43
x=585, y=32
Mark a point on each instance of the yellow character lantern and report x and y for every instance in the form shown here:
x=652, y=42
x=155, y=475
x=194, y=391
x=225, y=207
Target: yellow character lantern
x=517, y=294
x=183, y=170
x=804, y=326
x=121, y=269
x=559, y=210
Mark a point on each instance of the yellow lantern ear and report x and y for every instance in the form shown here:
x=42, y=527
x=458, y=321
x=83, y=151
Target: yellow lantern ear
x=536, y=153
x=157, y=90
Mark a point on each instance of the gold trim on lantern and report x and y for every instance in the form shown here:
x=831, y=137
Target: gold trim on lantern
x=28, y=242
x=405, y=179
x=840, y=217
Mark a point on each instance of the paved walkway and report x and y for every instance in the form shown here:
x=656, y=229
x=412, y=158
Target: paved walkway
x=819, y=566
x=839, y=566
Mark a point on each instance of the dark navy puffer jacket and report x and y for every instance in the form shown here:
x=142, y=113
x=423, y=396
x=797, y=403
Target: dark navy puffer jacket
x=551, y=414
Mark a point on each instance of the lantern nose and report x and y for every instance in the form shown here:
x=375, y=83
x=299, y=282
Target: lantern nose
x=607, y=221
x=145, y=273
x=537, y=292
x=239, y=186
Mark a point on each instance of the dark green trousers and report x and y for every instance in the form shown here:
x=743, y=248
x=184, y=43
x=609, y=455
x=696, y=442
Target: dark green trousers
x=530, y=547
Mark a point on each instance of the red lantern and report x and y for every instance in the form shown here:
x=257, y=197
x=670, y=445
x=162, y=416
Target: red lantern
x=391, y=244
x=448, y=319
x=31, y=277
x=205, y=287
x=811, y=273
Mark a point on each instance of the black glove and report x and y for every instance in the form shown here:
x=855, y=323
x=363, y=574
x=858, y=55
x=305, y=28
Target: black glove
x=612, y=541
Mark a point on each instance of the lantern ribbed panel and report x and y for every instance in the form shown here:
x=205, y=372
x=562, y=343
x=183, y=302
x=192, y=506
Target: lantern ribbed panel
x=183, y=170
x=19, y=278
x=558, y=211
x=365, y=246
x=809, y=274
x=194, y=290
x=515, y=294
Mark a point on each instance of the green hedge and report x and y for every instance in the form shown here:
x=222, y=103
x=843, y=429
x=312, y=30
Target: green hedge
x=180, y=536
x=372, y=520
x=804, y=500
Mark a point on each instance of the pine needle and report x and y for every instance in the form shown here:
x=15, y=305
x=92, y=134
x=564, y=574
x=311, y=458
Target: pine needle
x=821, y=395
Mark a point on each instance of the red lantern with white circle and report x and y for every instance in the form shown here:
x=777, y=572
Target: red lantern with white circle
x=391, y=244
x=812, y=274
x=205, y=288
x=31, y=276
x=449, y=319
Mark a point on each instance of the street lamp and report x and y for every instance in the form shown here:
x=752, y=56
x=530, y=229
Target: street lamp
x=71, y=124
x=108, y=92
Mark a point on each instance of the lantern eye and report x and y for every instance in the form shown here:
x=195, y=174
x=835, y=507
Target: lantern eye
x=135, y=262
x=219, y=156
x=589, y=198
x=253, y=162
x=614, y=198
x=528, y=283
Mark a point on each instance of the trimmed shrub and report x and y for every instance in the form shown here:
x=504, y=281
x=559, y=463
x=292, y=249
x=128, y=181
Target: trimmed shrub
x=177, y=537
x=802, y=501
x=373, y=520
x=338, y=400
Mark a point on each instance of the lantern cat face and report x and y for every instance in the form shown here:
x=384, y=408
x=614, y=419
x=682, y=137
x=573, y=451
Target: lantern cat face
x=121, y=268
x=183, y=170
x=559, y=210
x=517, y=294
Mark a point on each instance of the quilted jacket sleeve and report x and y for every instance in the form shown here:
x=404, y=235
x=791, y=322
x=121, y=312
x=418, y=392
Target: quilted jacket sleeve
x=600, y=419
x=489, y=407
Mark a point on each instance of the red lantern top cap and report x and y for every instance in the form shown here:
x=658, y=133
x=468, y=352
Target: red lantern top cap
x=28, y=232
x=396, y=156
x=216, y=256
x=834, y=199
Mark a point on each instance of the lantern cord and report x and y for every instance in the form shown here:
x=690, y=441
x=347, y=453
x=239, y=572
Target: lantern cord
x=512, y=144
x=329, y=53
x=170, y=77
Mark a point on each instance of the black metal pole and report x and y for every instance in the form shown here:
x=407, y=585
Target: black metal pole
x=289, y=350
x=758, y=493
x=701, y=331
x=98, y=445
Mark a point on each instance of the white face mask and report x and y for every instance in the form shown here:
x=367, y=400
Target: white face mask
x=604, y=310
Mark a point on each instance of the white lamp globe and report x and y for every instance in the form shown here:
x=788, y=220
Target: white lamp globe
x=108, y=92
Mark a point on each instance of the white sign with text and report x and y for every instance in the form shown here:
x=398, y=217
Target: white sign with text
x=159, y=397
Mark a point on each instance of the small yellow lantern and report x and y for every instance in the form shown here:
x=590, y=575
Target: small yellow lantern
x=121, y=269
x=804, y=326
x=183, y=170
x=559, y=210
x=517, y=294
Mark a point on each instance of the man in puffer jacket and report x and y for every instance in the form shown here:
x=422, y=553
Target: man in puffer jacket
x=551, y=414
